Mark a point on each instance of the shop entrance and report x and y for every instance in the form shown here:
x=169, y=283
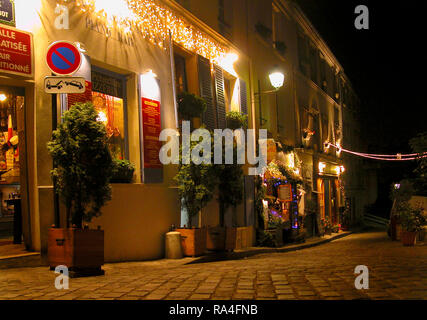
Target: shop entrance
x=13, y=175
x=328, y=199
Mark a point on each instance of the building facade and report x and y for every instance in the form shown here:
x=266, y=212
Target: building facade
x=316, y=105
x=145, y=52
x=124, y=64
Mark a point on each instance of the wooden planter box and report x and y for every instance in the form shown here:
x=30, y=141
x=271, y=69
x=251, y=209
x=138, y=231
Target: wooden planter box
x=398, y=231
x=79, y=250
x=230, y=238
x=408, y=238
x=215, y=240
x=422, y=234
x=193, y=241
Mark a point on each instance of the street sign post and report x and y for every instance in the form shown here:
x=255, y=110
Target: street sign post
x=64, y=84
x=63, y=58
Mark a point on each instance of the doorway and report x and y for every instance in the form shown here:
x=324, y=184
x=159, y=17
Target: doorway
x=13, y=170
x=328, y=199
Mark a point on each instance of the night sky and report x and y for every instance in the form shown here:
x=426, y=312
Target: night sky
x=387, y=67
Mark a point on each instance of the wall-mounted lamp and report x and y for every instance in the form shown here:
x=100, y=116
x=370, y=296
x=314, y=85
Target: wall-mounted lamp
x=3, y=97
x=150, y=87
x=277, y=79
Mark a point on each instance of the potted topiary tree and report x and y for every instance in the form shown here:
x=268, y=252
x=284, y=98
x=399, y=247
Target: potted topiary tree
x=196, y=184
x=412, y=221
x=400, y=193
x=230, y=195
x=230, y=191
x=191, y=107
x=82, y=174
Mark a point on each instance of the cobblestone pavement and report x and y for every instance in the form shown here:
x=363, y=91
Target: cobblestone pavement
x=323, y=272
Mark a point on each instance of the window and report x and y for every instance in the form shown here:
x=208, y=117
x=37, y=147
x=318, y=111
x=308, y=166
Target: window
x=180, y=74
x=228, y=94
x=225, y=17
x=302, y=54
x=108, y=97
x=313, y=64
x=278, y=30
x=323, y=78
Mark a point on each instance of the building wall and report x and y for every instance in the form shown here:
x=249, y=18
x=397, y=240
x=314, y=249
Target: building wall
x=139, y=214
x=316, y=94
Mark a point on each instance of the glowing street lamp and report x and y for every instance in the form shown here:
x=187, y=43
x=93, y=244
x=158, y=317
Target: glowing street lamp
x=277, y=79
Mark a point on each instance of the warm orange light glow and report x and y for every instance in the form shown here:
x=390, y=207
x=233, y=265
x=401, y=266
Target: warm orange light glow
x=227, y=63
x=27, y=14
x=3, y=97
x=322, y=167
x=155, y=23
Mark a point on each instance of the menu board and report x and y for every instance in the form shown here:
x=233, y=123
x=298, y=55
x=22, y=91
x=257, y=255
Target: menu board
x=285, y=192
x=151, y=127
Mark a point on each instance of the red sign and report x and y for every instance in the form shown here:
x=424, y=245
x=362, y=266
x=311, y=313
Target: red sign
x=63, y=58
x=85, y=72
x=86, y=96
x=151, y=128
x=16, y=52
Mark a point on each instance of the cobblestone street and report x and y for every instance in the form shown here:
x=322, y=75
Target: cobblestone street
x=323, y=272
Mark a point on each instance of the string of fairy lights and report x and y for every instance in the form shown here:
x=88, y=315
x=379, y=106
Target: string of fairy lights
x=154, y=22
x=383, y=157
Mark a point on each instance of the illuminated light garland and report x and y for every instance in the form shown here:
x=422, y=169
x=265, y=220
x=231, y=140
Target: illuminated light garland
x=154, y=22
x=384, y=157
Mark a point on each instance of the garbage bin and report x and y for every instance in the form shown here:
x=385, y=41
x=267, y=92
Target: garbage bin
x=173, y=245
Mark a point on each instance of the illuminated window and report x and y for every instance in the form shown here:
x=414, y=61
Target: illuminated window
x=108, y=97
x=180, y=74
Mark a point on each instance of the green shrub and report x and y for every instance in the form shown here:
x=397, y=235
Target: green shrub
x=196, y=184
x=83, y=161
x=190, y=105
x=236, y=120
x=122, y=171
x=411, y=219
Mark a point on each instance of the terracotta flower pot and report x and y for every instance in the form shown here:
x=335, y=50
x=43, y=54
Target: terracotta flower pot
x=408, y=238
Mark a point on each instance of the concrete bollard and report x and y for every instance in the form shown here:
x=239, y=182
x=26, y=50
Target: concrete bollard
x=173, y=245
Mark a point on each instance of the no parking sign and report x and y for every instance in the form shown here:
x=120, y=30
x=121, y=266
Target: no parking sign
x=63, y=58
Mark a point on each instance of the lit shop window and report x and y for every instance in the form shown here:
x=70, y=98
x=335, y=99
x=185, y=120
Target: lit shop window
x=108, y=99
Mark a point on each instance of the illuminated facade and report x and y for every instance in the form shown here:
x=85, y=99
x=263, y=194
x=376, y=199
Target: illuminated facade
x=313, y=106
x=137, y=55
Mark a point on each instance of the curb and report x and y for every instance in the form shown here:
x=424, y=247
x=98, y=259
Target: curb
x=295, y=247
x=244, y=253
x=28, y=260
